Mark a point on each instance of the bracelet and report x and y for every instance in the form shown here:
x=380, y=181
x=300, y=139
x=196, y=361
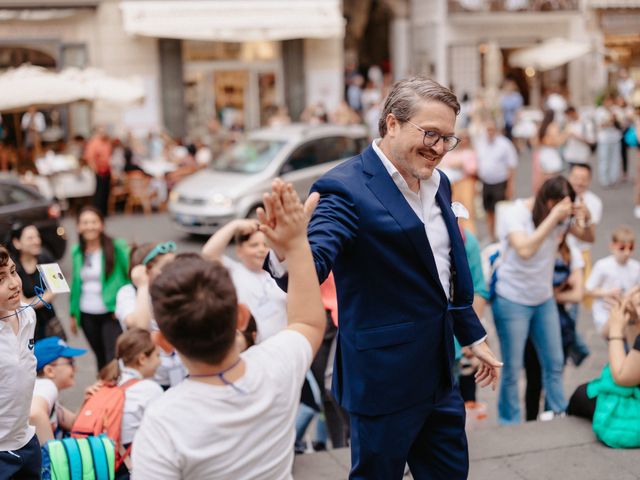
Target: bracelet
x=615, y=338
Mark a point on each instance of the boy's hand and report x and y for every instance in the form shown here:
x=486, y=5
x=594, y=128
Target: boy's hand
x=612, y=296
x=285, y=221
x=246, y=226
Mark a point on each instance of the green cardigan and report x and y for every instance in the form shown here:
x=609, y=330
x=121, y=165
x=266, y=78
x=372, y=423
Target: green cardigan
x=110, y=286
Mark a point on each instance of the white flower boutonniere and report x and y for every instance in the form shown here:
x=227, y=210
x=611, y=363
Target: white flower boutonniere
x=459, y=210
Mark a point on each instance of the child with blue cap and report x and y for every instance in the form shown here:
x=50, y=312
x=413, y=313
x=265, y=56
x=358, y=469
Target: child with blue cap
x=55, y=372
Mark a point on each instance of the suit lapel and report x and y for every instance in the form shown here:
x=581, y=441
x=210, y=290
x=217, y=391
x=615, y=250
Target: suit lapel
x=383, y=187
x=460, y=277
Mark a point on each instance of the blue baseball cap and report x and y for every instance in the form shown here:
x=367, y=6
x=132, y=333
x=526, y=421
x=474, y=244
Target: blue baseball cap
x=50, y=349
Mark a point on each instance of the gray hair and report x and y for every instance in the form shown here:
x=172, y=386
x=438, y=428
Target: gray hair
x=405, y=95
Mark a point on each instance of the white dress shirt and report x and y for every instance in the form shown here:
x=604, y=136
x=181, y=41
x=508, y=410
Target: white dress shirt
x=428, y=211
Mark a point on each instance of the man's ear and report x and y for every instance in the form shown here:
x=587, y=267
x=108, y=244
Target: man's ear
x=392, y=124
x=243, y=317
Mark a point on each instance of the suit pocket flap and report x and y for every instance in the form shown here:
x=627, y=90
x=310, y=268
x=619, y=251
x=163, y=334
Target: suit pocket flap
x=386, y=336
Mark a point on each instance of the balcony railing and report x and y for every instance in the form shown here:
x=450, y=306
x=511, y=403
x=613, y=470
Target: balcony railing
x=512, y=6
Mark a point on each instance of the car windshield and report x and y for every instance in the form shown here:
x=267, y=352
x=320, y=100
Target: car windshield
x=248, y=156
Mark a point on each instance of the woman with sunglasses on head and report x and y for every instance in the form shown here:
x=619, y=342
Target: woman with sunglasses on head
x=133, y=306
x=524, y=306
x=100, y=266
x=26, y=250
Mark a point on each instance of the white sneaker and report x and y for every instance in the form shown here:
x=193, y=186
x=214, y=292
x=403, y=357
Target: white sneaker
x=636, y=212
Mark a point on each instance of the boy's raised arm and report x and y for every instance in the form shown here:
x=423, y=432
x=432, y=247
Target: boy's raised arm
x=287, y=233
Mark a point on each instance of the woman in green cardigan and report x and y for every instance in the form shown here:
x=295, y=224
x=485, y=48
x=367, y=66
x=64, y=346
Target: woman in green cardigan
x=100, y=268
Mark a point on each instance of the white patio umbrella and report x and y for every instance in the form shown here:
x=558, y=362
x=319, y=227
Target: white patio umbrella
x=549, y=54
x=28, y=85
x=100, y=87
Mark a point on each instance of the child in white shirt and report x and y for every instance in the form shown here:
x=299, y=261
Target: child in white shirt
x=234, y=416
x=254, y=286
x=614, y=275
x=19, y=449
x=56, y=371
x=137, y=358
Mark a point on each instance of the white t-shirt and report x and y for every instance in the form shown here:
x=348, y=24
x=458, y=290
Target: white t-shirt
x=526, y=281
x=17, y=378
x=575, y=150
x=608, y=273
x=46, y=389
x=594, y=205
x=137, y=398
x=91, y=273
x=198, y=431
x=125, y=303
x=258, y=291
x=495, y=159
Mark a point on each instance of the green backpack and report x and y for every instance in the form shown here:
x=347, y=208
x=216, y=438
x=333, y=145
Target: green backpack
x=90, y=458
x=616, y=421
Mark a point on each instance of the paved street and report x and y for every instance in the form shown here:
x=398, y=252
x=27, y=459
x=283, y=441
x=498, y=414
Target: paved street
x=617, y=210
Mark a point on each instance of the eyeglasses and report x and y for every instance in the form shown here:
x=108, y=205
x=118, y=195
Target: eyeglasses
x=431, y=138
x=625, y=246
x=160, y=249
x=69, y=361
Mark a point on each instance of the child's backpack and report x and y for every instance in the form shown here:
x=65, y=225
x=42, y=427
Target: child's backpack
x=102, y=414
x=91, y=458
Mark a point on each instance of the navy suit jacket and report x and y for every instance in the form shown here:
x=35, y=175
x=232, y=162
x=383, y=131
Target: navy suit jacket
x=395, y=341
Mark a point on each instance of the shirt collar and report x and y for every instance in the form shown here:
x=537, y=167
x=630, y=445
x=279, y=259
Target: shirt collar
x=429, y=186
x=22, y=319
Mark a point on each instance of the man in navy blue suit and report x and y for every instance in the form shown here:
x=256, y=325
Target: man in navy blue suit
x=386, y=227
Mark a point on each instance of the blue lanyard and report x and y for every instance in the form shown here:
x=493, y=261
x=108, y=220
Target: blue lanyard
x=220, y=375
x=39, y=291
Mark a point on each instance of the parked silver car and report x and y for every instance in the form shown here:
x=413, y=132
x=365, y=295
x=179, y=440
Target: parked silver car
x=233, y=185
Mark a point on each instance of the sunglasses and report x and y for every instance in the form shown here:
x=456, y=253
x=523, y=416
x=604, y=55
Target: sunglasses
x=625, y=246
x=160, y=249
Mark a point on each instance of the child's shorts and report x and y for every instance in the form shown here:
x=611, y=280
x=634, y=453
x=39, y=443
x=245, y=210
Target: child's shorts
x=25, y=463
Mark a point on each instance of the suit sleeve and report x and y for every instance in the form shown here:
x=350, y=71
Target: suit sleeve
x=332, y=229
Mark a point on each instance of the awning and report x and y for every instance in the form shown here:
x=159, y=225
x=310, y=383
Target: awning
x=234, y=20
x=549, y=54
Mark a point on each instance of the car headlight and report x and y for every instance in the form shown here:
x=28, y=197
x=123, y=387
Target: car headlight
x=221, y=200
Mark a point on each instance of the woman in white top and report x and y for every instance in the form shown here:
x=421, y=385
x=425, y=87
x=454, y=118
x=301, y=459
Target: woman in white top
x=524, y=304
x=137, y=358
x=254, y=286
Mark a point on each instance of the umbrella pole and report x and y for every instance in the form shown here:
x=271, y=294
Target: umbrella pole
x=19, y=145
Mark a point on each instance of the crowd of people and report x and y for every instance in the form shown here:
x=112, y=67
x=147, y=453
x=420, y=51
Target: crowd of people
x=220, y=362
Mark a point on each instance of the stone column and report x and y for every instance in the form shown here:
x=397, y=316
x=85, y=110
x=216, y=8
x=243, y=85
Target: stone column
x=172, y=86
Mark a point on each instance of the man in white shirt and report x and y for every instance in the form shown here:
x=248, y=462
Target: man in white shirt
x=386, y=228
x=577, y=149
x=580, y=176
x=497, y=162
x=233, y=418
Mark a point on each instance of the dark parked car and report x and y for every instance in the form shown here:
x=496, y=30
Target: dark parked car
x=22, y=204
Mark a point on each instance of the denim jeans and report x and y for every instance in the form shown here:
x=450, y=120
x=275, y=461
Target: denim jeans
x=514, y=323
x=609, y=161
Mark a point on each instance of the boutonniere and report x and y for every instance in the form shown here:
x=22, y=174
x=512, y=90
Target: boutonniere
x=459, y=210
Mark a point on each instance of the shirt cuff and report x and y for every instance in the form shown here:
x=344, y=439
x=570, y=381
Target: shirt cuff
x=477, y=342
x=278, y=268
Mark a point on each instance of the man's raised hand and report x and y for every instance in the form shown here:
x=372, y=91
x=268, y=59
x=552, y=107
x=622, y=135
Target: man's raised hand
x=284, y=219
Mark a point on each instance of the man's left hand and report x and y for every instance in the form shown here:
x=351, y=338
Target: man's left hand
x=489, y=371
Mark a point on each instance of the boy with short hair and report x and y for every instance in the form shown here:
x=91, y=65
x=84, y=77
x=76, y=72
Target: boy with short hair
x=19, y=449
x=614, y=275
x=234, y=416
x=55, y=372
